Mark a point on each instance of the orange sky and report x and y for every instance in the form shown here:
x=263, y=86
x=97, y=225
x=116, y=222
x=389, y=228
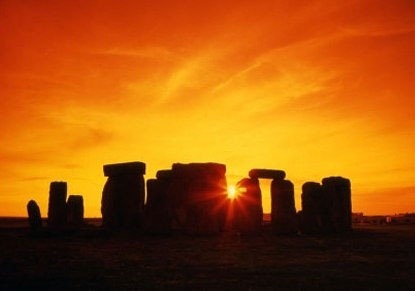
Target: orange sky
x=313, y=88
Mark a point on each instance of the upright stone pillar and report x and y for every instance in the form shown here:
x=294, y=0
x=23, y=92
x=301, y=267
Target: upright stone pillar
x=157, y=210
x=198, y=192
x=312, y=218
x=248, y=206
x=283, y=213
x=122, y=204
x=57, y=205
x=33, y=211
x=337, y=193
x=75, y=206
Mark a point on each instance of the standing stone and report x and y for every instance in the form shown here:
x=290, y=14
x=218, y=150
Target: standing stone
x=248, y=206
x=337, y=194
x=75, y=211
x=122, y=204
x=313, y=218
x=33, y=211
x=57, y=205
x=158, y=218
x=198, y=194
x=177, y=195
x=283, y=213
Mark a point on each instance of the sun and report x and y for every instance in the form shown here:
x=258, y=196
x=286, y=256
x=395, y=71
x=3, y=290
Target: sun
x=231, y=192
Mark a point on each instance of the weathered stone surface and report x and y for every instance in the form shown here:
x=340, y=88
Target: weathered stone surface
x=313, y=217
x=247, y=208
x=267, y=174
x=33, y=211
x=75, y=210
x=130, y=168
x=57, y=204
x=283, y=213
x=122, y=204
x=197, y=194
x=337, y=196
x=157, y=211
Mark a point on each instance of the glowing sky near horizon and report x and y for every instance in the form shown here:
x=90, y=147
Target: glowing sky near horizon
x=315, y=88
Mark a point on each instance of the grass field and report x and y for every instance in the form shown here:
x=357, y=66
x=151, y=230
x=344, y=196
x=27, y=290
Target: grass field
x=372, y=257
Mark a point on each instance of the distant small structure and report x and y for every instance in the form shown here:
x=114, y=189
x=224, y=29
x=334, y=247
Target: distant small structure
x=401, y=218
x=57, y=217
x=122, y=204
x=33, y=211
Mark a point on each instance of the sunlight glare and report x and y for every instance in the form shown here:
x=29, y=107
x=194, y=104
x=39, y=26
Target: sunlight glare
x=231, y=192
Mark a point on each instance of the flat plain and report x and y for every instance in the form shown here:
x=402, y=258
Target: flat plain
x=375, y=257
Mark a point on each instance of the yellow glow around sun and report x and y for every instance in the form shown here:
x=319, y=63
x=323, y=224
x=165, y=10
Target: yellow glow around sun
x=231, y=192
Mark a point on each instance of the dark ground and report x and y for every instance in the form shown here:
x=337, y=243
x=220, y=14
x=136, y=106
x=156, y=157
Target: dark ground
x=372, y=257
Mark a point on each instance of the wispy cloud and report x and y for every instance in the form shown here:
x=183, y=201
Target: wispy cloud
x=90, y=138
x=150, y=52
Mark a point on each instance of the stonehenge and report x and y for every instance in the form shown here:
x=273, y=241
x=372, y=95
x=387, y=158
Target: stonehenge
x=192, y=198
x=33, y=211
x=122, y=204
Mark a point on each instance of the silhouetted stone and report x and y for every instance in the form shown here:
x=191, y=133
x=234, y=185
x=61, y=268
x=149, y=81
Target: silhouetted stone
x=158, y=218
x=164, y=174
x=248, y=206
x=33, y=211
x=122, y=204
x=130, y=168
x=75, y=210
x=57, y=205
x=283, y=213
x=337, y=195
x=198, y=170
x=197, y=194
x=267, y=174
x=312, y=217
x=327, y=207
x=177, y=194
